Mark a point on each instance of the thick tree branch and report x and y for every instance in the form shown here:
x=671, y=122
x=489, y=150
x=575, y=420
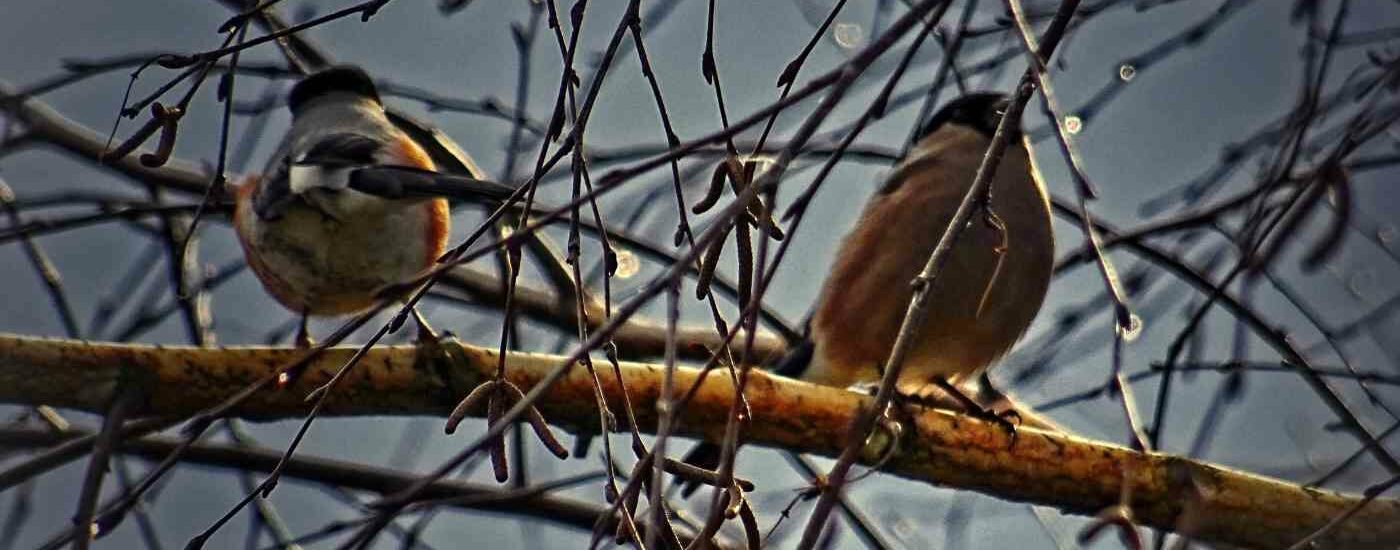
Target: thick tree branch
x=1073, y=474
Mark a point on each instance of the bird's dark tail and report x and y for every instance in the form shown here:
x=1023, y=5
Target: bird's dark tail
x=706, y=455
x=400, y=182
x=795, y=362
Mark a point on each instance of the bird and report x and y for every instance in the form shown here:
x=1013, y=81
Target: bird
x=987, y=293
x=980, y=303
x=334, y=219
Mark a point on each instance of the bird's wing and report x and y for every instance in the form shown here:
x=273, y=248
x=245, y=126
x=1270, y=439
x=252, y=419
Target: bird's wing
x=445, y=153
x=313, y=169
x=341, y=149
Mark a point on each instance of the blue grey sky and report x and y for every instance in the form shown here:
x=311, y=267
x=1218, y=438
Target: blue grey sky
x=1166, y=125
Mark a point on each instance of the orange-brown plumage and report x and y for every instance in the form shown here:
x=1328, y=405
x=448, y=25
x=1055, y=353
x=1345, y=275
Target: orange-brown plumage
x=275, y=286
x=317, y=246
x=867, y=293
x=408, y=153
x=985, y=295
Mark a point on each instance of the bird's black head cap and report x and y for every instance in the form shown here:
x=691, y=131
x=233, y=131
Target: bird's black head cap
x=980, y=111
x=342, y=78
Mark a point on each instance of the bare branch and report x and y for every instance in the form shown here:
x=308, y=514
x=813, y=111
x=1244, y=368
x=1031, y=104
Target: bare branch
x=1076, y=475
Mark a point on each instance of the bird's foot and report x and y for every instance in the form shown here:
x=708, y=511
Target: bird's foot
x=439, y=356
x=426, y=334
x=1007, y=420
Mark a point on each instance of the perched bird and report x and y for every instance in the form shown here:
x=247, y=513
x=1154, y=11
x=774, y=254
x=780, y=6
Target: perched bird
x=983, y=299
x=987, y=293
x=317, y=228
